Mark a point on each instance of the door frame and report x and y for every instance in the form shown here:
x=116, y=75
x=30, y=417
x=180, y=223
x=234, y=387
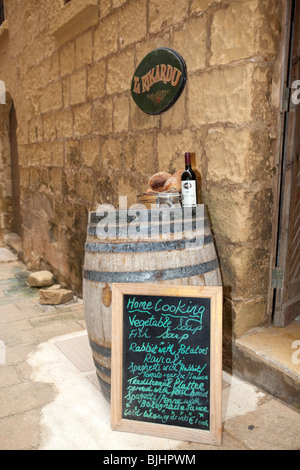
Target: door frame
x=283, y=178
x=15, y=171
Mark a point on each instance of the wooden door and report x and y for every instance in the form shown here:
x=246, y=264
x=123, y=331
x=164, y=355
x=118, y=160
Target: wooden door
x=287, y=294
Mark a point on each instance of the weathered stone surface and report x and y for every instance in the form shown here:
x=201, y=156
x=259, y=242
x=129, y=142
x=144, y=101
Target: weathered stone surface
x=257, y=431
x=23, y=397
x=6, y=255
x=67, y=58
x=249, y=314
x=83, y=49
x=219, y=95
x=41, y=279
x=198, y=6
x=20, y=431
x=244, y=269
x=120, y=71
x=78, y=87
x=132, y=23
x=190, y=41
x=121, y=114
x=235, y=154
x=166, y=13
x=239, y=214
x=55, y=296
x=54, y=287
x=96, y=80
x=83, y=141
x=106, y=37
x=255, y=34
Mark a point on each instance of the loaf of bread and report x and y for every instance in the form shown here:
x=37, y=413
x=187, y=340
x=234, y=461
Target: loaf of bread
x=173, y=183
x=157, y=181
x=179, y=172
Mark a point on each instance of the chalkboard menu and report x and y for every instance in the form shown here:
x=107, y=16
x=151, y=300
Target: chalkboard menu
x=166, y=361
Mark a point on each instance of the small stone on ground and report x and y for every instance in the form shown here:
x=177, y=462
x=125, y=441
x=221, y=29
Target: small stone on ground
x=41, y=279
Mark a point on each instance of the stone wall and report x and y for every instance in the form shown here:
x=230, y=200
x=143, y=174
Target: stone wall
x=83, y=141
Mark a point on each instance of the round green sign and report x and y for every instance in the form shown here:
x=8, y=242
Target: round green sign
x=158, y=80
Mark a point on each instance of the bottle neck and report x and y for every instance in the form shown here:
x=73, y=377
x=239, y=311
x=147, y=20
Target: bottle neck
x=187, y=157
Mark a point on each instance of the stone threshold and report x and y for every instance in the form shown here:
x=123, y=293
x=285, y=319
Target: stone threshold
x=270, y=359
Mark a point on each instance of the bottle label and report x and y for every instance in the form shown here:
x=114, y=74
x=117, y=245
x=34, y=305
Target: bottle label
x=188, y=193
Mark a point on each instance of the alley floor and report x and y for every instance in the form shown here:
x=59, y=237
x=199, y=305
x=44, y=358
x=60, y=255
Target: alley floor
x=50, y=399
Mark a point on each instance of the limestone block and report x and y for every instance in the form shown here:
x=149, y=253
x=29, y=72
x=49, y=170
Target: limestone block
x=67, y=58
x=90, y=151
x=78, y=87
x=245, y=268
x=41, y=279
x=55, y=296
x=49, y=153
x=66, y=91
x=64, y=123
x=84, y=49
x=121, y=113
x=144, y=158
x=239, y=155
x=51, y=98
x=140, y=120
x=248, y=315
x=167, y=13
x=118, y=3
x=106, y=37
x=96, y=80
x=85, y=186
x=49, y=126
x=244, y=29
x=112, y=154
x=73, y=153
x=73, y=19
x=171, y=148
x=227, y=154
x=221, y=95
x=198, y=6
x=239, y=214
x=176, y=119
x=56, y=175
x=82, y=119
x=120, y=70
x=54, y=287
x=32, y=133
x=51, y=65
x=190, y=42
x=102, y=112
x=133, y=25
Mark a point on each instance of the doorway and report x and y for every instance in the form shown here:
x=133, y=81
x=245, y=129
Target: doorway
x=15, y=172
x=286, y=275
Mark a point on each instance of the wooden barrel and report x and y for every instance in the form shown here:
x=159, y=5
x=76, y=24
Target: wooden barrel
x=165, y=246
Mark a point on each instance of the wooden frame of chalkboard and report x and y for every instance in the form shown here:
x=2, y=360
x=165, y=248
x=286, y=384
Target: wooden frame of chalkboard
x=166, y=370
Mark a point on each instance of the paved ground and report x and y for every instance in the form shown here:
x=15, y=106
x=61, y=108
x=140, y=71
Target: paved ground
x=49, y=396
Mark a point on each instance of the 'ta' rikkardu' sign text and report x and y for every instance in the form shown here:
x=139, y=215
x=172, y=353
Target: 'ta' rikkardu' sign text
x=158, y=80
x=168, y=375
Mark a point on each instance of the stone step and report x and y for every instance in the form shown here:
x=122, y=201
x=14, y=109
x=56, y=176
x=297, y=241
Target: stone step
x=270, y=359
x=14, y=241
